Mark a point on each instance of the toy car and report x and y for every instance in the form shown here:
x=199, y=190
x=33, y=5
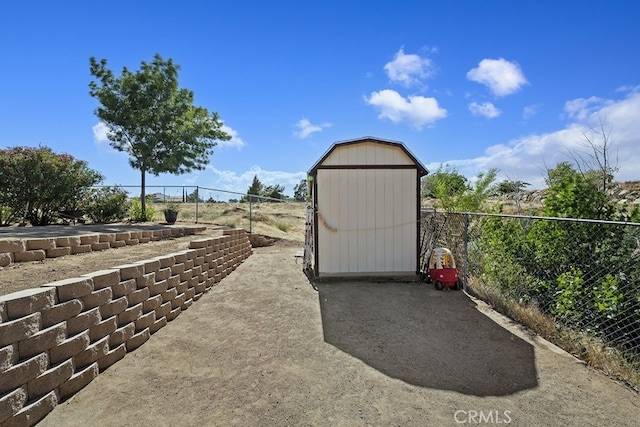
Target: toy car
x=442, y=270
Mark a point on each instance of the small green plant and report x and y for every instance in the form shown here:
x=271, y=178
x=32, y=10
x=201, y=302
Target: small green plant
x=172, y=207
x=569, y=295
x=171, y=212
x=608, y=298
x=136, y=214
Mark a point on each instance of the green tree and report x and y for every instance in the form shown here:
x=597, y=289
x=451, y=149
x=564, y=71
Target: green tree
x=448, y=181
x=473, y=200
x=38, y=182
x=274, y=192
x=456, y=197
x=153, y=120
x=260, y=191
x=193, y=197
x=572, y=195
x=510, y=186
x=300, y=191
x=256, y=188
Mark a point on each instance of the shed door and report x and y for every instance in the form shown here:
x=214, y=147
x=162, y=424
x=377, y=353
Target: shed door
x=366, y=221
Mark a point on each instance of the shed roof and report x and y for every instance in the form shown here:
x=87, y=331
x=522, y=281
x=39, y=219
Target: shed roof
x=422, y=170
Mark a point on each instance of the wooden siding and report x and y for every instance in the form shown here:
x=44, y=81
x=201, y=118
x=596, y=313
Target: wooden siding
x=367, y=217
x=367, y=153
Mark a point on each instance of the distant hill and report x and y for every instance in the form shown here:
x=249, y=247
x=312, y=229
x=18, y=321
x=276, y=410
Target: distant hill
x=531, y=202
x=620, y=192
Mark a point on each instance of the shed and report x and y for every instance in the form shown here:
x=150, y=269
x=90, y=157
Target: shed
x=366, y=208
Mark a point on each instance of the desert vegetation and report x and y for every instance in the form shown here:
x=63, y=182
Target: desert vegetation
x=281, y=220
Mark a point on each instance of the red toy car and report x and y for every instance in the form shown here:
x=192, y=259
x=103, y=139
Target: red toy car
x=442, y=270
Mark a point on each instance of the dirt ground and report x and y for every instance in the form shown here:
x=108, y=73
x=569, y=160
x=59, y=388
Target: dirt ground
x=25, y=275
x=266, y=348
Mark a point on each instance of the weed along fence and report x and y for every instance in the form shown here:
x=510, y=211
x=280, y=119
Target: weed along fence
x=57, y=338
x=577, y=280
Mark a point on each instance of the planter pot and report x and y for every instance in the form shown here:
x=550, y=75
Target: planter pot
x=170, y=216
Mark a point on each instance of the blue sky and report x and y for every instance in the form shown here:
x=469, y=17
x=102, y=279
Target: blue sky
x=470, y=84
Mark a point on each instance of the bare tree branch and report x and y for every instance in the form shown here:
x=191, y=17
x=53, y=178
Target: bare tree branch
x=595, y=161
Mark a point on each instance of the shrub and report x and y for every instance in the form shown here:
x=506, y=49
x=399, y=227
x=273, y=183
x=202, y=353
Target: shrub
x=37, y=183
x=135, y=211
x=107, y=204
x=258, y=217
x=282, y=225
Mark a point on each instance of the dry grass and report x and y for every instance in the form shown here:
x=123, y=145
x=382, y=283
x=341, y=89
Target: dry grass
x=280, y=220
x=590, y=349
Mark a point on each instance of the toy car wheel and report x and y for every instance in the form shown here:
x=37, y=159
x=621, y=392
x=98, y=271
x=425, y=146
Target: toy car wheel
x=439, y=286
x=459, y=284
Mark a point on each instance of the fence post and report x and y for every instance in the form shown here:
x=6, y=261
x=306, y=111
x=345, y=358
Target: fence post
x=197, y=200
x=465, y=245
x=250, y=200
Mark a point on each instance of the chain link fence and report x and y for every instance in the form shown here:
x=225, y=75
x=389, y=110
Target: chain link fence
x=581, y=275
x=201, y=204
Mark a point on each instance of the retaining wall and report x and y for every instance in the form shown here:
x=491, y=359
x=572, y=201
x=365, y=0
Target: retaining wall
x=20, y=250
x=57, y=338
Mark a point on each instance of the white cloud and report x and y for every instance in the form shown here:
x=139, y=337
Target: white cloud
x=306, y=128
x=581, y=108
x=235, y=140
x=526, y=158
x=529, y=111
x=486, y=109
x=100, y=132
x=409, y=70
x=430, y=49
x=240, y=181
x=629, y=88
x=417, y=111
x=499, y=75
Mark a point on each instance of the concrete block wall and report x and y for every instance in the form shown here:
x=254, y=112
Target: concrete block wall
x=21, y=250
x=55, y=339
